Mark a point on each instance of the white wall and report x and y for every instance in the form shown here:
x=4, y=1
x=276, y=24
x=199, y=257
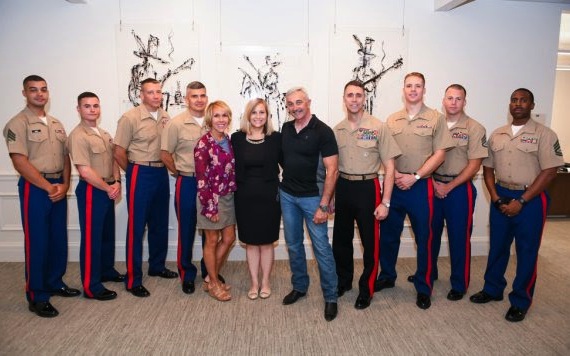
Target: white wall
x=490, y=46
x=561, y=113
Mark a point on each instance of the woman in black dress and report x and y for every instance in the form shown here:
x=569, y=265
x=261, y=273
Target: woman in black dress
x=257, y=150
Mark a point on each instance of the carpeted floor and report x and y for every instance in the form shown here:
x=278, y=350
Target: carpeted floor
x=170, y=322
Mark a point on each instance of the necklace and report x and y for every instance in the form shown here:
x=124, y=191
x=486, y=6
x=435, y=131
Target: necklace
x=255, y=142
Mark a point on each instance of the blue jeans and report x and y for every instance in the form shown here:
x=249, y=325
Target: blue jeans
x=294, y=211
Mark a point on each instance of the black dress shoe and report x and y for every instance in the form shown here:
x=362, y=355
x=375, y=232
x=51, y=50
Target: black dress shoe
x=67, y=292
x=341, y=290
x=139, y=291
x=118, y=278
x=188, y=287
x=106, y=294
x=383, y=284
x=331, y=311
x=515, y=314
x=455, y=295
x=483, y=297
x=412, y=278
x=362, y=302
x=43, y=309
x=165, y=273
x=423, y=301
x=293, y=297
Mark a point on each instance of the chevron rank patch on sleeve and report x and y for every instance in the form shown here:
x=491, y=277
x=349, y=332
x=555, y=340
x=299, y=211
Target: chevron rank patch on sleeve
x=11, y=136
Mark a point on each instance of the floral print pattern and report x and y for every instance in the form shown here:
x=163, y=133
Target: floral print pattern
x=215, y=173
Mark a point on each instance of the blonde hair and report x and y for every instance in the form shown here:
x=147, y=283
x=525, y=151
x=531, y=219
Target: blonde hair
x=210, y=111
x=245, y=125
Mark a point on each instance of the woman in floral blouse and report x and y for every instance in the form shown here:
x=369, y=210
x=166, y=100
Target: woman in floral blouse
x=215, y=173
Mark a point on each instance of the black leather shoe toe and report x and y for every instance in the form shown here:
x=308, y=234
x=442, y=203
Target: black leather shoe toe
x=139, y=291
x=383, y=284
x=423, y=301
x=455, y=295
x=341, y=290
x=362, y=302
x=515, y=314
x=106, y=294
x=43, y=309
x=118, y=278
x=331, y=311
x=293, y=297
x=483, y=297
x=188, y=287
x=165, y=273
x=67, y=292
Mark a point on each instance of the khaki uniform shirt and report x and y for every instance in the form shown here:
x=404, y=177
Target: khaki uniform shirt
x=179, y=138
x=470, y=143
x=519, y=159
x=418, y=138
x=139, y=133
x=44, y=145
x=361, y=151
x=86, y=148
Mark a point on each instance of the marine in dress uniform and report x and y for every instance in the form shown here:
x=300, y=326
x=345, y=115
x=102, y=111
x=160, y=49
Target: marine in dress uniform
x=455, y=192
x=364, y=144
x=137, y=150
x=36, y=143
x=523, y=160
x=423, y=137
x=91, y=149
x=178, y=140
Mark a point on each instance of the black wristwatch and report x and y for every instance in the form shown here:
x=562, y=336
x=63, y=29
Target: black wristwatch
x=324, y=208
x=522, y=201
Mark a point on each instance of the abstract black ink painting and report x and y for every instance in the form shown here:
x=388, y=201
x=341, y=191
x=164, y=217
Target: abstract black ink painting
x=262, y=82
x=152, y=65
x=365, y=72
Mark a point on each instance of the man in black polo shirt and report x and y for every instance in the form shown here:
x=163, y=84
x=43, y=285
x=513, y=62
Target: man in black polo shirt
x=310, y=170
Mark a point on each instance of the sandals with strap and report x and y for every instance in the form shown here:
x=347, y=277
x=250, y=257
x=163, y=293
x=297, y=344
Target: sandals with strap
x=218, y=292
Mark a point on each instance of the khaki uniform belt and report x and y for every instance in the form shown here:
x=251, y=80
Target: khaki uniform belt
x=149, y=163
x=55, y=175
x=358, y=176
x=442, y=178
x=187, y=174
x=512, y=186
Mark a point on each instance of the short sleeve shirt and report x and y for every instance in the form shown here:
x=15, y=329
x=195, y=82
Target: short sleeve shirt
x=139, y=133
x=470, y=143
x=303, y=168
x=43, y=144
x=179, y=137
x=419, y=137
x=86, y=148
x=362, y=150
x=519, y=159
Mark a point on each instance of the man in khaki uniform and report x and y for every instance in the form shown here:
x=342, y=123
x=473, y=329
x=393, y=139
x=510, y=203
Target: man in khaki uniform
x=454, y=190
x=423, y=137
x=364, y=144
x=523, y=160
x=137, y=150
x=36, y=143
x=91, y=149
x=178, y=140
